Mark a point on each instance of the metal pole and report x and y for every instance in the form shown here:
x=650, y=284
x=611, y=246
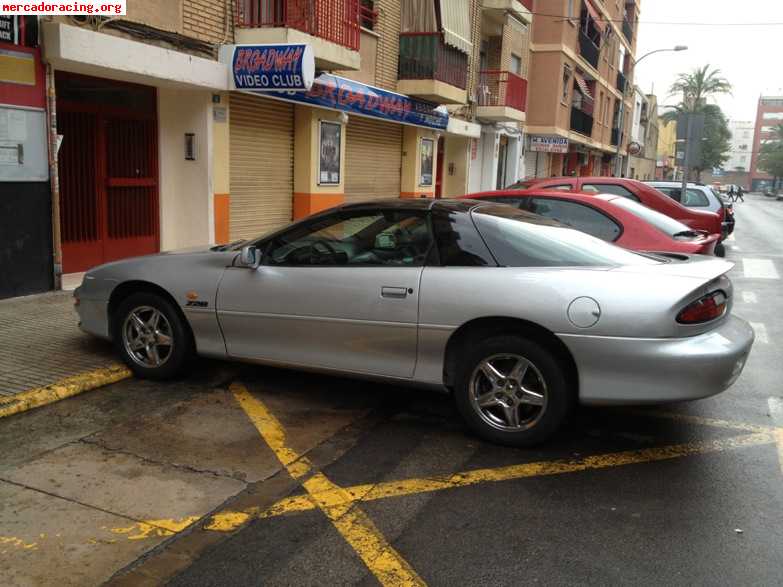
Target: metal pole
x=686, y=162
x=54, y=177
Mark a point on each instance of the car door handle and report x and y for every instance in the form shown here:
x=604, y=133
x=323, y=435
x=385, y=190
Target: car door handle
x=394, y=292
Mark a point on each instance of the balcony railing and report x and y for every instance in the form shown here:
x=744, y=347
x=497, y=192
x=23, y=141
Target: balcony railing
x=332, y=20
x=426, y=56
x=622, y=82
x=502, y=88
x=581, y=122
x=627, y=30
x=615, y=140
x=588, y=50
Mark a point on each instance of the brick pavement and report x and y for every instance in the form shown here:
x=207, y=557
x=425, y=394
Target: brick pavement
x=40, y=343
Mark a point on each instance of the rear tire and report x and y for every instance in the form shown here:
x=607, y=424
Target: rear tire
x=720, y=250
x=152, y=337
x=513, y=391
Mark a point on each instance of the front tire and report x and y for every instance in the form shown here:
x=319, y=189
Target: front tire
x=513, y=391
x=151, y=336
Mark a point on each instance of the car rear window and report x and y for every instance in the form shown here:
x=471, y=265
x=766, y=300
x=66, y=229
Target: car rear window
x=610, y=188
x=521, y=239
x=667, y=225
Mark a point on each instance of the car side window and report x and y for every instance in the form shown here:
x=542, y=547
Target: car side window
x=695, y=199
x=578, y=216
x=504, y=200
x=564, y=187
x=459, y=243
x=674, y=193
x=610, y=188
x=381, y=237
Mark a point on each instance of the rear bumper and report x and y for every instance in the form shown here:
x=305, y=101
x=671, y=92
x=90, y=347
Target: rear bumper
x=648, y=370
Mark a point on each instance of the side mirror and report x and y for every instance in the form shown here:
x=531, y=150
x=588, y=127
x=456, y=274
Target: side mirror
x=249, y=257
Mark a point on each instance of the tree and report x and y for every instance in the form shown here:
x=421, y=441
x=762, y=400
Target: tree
x=716, y=144
x=699, y=86
x=695, y=89
x=771, y=156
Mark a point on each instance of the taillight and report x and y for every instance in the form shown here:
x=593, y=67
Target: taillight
x=708, y=308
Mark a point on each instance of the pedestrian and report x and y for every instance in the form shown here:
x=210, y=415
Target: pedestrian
x=740, y=193
x=730, y=192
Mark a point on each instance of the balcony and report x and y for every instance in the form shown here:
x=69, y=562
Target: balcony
x=520, y=9
x=432, y=70
x=581, y=122
x=588, y=50
x=622, y=82
x=331, y=27
x=501, y=96
x=627, y=30
x=615, y=140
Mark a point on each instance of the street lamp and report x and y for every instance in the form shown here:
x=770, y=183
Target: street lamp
x=676, y=48
x=629, y=91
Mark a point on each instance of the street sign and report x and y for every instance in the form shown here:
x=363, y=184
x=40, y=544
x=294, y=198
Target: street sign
x=271, y=67
x=546, y=144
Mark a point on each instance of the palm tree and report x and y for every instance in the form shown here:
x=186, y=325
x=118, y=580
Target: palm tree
x=698, y=86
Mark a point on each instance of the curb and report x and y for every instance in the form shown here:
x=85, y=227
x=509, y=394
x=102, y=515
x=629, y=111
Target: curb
x=65, y=388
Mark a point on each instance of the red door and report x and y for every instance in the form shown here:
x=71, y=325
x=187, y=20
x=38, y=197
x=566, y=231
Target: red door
x=108, y=165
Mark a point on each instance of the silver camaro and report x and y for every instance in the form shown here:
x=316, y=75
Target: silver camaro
x=519, y=317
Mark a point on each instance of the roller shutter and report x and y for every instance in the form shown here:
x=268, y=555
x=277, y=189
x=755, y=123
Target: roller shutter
x=262, y=165
x=373, y=160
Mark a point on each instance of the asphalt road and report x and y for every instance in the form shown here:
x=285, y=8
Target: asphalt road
x=304, y=480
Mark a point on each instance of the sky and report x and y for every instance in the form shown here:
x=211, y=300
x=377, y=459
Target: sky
x=750, y=57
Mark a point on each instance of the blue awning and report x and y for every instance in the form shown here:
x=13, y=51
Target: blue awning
x=338, y=93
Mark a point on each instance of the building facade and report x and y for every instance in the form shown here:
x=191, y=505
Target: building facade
x=741, y=146
x=579, y=120
x=769, y=114
x=643, y=155
x=666, y=166
x=148, y=144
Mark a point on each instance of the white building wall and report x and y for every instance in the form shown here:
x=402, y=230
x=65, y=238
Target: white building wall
x=741, y=145
x=186, y=190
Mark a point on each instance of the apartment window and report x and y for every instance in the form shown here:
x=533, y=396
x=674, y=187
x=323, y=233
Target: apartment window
x=606, y=111
x=516, y=64
x=567, y=75
x=367, y=14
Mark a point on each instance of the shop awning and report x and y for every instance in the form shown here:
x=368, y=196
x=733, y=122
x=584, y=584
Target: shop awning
x=600, y=24
x=455, y=22
x=347, y=95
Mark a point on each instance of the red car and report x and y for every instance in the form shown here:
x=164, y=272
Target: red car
x=633, y=190
x=611, y=218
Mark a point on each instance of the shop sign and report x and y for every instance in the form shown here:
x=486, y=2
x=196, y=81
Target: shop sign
x=544, y=144
x=337, y=93
x=272, y=67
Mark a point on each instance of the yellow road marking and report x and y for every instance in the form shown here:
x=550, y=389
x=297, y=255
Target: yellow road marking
x=371, y=492
x=70, y=386
x=155, y=528
x=351, y=522
x=17, y=543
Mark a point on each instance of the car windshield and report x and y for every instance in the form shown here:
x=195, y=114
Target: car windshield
x=521, y=239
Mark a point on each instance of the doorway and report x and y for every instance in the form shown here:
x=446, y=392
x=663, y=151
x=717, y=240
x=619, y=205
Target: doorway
x=500, y=183
x=439, y=168
x=108, y=170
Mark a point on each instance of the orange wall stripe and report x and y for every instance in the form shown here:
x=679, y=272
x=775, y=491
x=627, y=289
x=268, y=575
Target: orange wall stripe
x=222, y=216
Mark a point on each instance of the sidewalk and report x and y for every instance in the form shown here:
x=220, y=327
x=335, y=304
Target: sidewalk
x=41, y=344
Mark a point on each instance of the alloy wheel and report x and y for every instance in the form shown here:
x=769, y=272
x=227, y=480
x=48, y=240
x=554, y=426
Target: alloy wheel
x=508, y=392
x=148, y=337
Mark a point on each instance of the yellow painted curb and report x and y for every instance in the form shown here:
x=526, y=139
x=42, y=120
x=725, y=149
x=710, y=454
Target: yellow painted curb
x=70, y=386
